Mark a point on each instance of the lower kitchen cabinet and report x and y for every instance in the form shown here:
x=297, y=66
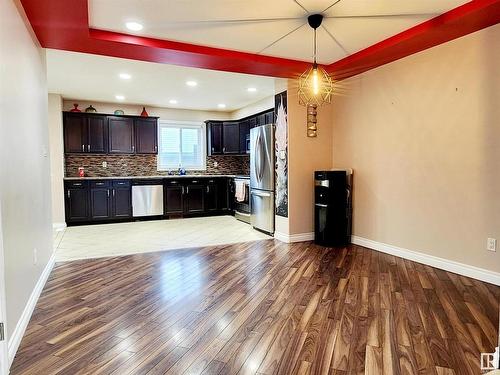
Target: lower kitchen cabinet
x=105, y=200
x=121, y=199
x=100, y=204
x=77, y=201
x=194, y=200
x=174, y=198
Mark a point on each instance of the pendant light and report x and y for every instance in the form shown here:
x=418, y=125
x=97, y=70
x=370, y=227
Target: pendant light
x=315, y=84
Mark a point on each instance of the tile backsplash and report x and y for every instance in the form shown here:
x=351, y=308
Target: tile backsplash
x=145, y=165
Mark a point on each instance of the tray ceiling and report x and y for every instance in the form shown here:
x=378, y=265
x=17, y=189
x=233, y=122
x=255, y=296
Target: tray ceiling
x=274, y=28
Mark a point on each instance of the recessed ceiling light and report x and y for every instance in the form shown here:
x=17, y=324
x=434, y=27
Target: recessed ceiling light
x=221, y=105
x=134, y=26
x=125, y=76
x=251, y=89
x=192, y=83
x=119, y=97
x=172, y=101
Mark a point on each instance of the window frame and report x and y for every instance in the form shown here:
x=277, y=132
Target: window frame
x=187, y=125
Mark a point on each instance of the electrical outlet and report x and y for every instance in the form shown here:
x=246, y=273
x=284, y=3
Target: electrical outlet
x=104, y=164
x=491, y=244
x=35, y=256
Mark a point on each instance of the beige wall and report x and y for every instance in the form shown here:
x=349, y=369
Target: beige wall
x=163, y=113
x=56, y=143
x=259, y=106
x=24, y=160
x=305, y=155
x=423, y=137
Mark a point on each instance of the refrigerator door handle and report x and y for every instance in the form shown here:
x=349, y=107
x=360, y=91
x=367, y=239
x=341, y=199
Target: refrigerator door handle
x=260, y=194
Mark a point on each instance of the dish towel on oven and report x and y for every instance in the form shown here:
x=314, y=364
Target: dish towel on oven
x=239, y=190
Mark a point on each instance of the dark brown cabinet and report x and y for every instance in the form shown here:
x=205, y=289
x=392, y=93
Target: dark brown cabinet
x=194, y=200
x=231, y=138
x=212, y=196
x=214, y=138
x=77, y=202
x=121, y=199
x=174, y=198
x=97, y=134
x=102, y=134
x=100, y=203
x=121, y=135
x=75, y=133
x=146, y=136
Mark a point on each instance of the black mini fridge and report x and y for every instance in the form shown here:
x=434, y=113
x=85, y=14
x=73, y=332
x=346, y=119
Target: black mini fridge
x=332, y=207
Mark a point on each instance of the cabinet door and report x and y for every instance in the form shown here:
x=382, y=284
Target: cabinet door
x=100, y=204
x=122, y=202
x=97, y=134
x=121, y=135
x=146, y=136
x=77, y=206
x=174, y=197
x=75, y=133
x=211, y=196
x=195, y=199
x=231, y=138
x=244, y=133
x=269, y=117
x=214, y=138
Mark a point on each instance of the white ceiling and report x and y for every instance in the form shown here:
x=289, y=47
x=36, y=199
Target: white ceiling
x=96, y=78
x=201, y=22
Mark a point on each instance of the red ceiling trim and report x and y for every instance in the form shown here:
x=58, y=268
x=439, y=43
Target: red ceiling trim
x=60, y=24
x=463, y=20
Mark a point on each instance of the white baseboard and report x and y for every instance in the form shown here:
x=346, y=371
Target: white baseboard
x=58, y=226
x=23, y=321
x=431, y=260
x=299, y=237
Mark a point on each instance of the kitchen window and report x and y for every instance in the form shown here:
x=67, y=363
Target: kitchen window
x=181, y=144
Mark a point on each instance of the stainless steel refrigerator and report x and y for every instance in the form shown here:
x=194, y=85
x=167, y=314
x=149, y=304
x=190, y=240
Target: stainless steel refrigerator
x=262, y=178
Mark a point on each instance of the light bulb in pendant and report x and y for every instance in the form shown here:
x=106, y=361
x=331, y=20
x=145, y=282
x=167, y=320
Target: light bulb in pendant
x=315, y=81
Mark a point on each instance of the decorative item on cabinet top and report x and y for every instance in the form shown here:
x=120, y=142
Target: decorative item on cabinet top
x=90, y=109
x=144, y=113
x=76, y=108
x=118, y=112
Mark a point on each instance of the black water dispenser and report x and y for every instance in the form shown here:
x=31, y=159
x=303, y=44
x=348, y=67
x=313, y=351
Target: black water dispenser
x=332, y=207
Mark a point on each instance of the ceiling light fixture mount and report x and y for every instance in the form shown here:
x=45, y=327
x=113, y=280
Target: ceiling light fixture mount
x=315, y=84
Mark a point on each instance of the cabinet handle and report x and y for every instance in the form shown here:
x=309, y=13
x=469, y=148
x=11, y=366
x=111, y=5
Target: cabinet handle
x=113, y=192
x=183, y=190
x=99, y=183
x=187, y=190
x=213, y=149
x=223, y=149
x=69, y=193
x=83, y=148
x=133, y=148
x=194, y=181
x=208, y=189
x=88, y=147
x=108, y=193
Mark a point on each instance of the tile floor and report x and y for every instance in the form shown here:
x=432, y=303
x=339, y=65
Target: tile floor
x=95, y=241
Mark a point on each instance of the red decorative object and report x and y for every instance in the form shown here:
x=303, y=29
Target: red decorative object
x=76, y=108
x=81, y=172
x=144, y=113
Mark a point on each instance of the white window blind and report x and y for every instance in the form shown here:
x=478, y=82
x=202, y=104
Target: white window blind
x=181, y=144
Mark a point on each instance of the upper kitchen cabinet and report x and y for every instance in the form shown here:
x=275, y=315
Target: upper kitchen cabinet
x=214, y=138
x=85, y=133
x=75, y=133
x=121, y=135
x=146, y=135
x=97, y=134
x=231, y=137
x=102, y=134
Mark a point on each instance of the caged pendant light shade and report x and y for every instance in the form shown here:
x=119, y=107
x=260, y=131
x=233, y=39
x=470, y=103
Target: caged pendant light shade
x=315, y=84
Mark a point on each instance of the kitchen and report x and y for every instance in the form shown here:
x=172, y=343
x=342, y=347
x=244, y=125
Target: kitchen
x=131, y=164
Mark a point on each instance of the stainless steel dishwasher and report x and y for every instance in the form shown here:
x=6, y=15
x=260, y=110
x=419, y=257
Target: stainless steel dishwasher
x=147, y=198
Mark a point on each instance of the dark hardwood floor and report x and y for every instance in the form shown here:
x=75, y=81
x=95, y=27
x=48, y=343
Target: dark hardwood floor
x=262, y=307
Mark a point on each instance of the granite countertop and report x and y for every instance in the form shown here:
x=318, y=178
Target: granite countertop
x=154, y=177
